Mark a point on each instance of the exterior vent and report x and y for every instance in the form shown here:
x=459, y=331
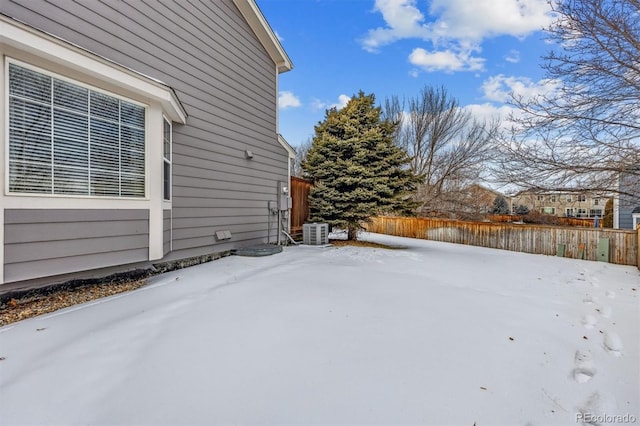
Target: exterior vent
x=315, y=234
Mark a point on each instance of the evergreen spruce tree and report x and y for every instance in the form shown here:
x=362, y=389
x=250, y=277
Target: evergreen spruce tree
x=607, y=219
x=500, y=205
x=522, y=210
x=356, y=169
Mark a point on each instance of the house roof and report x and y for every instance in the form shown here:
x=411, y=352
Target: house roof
x=486, y=189
x=256, y=20
x=291, y=150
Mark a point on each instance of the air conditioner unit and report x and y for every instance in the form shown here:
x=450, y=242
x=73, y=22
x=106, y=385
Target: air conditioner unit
x=315, y=234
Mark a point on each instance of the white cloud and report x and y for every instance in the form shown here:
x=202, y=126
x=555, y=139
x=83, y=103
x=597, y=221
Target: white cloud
x=342, y=102
x=288, y=100
x=279, y=37
x=513, y=56
x=488, y=112
x=317, y=104
x=446, y=60
x=404, y=20
x=456, y=28
x=499, y=88
x=479, y=19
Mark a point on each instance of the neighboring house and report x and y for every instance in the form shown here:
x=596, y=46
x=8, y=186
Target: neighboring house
x=481, y=199
x=627, y=203
x=136, y=133
x=467, y=202
x=568, y=203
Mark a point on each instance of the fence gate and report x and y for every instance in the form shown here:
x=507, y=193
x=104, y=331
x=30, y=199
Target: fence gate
x=299, y=205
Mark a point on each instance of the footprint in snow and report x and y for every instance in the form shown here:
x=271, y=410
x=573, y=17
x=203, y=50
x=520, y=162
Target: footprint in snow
x=605, y=311
x=613, y=343
x=585, y=367
x=589, y=321
x=611, y=294
x=590, y=299
x=597, y=406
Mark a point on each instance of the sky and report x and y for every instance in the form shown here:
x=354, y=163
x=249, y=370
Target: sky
x=428, y=333
x=479, y=51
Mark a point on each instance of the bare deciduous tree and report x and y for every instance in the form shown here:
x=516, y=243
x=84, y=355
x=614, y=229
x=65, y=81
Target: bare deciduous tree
x=447, y=146
x=301, y=153
x=586, y=132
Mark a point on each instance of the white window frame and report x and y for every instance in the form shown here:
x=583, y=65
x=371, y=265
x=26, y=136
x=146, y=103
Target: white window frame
x=636, y=220
x=167, y=161
x=60, y=77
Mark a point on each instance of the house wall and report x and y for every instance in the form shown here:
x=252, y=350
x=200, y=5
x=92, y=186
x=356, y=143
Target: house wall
x=629, y=184
x=227, y=84
x=561, y=201
x=52, y=242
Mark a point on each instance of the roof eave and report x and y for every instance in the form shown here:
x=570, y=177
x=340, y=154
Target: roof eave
x=256, y=20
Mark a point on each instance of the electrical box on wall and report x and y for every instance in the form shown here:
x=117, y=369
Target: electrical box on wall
x=285, y=203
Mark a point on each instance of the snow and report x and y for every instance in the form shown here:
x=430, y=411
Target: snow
x=431, y=334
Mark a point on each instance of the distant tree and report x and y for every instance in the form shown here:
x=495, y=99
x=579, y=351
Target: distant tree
x=521, y=210
x=301, y=153
x=607, y=219
x=356, y=169
x=500, y=205
x=446, y=145
x=584, y=132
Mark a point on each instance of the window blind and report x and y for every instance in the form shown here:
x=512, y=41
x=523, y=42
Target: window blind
x=67, y=139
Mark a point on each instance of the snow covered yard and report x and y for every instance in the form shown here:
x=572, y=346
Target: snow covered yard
x=432, y=334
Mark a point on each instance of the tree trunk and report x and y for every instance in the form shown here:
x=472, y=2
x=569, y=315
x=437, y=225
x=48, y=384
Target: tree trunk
x=352, y=233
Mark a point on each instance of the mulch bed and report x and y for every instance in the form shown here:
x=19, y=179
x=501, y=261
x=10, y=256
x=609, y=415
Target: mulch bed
x=43, y=301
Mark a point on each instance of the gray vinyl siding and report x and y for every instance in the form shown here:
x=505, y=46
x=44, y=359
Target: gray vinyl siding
x=52, y=242
x=629, y=185
x=166, y=231
x=625, y=219
x=227, y=84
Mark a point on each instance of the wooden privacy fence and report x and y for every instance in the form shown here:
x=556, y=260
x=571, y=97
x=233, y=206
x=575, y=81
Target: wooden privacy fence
x=536, y=239
x=299, y=204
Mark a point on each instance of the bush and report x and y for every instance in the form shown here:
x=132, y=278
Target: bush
x=540, y=218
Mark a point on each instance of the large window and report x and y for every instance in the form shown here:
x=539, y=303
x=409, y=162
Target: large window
x=66, y=138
